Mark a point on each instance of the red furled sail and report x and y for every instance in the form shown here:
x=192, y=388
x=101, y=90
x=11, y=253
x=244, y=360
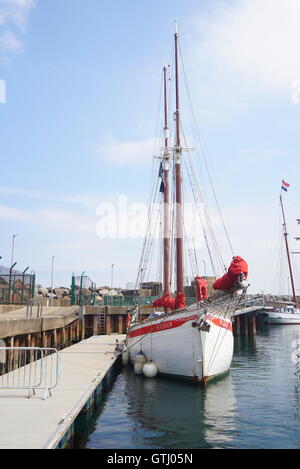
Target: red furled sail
x=165, y=301
x=201, y=288
x=237, y=267
x=168, y=302
x=179, y=301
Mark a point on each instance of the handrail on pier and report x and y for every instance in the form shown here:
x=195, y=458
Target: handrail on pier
x=30, y=304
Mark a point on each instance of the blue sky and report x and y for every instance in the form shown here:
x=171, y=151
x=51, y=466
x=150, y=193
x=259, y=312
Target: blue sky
x=77, y=128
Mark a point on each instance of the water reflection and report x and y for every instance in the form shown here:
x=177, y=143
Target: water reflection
x=220, y=412
x=181, y=412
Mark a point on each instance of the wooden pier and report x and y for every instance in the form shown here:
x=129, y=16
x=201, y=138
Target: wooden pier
x=33, y=423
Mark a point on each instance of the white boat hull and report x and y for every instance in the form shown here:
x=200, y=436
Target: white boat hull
x=180, y=348
x=283, y=318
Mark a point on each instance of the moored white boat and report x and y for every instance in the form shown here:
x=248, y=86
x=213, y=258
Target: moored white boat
x=283, y=315
x=187, y=344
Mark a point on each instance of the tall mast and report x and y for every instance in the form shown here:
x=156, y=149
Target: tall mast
x=287, y=250
x=178, y=183
x=166, y=167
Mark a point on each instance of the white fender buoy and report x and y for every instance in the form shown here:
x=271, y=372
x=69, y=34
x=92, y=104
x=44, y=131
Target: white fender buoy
x=125, y=357
x=150, y=369
x=139, y=362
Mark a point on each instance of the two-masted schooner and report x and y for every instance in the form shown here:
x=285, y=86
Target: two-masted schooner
x=187, y=341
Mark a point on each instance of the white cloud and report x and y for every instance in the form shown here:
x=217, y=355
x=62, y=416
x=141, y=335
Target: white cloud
x=10, y=43
x=253, y=43
x=134, y=152
x=16, y=214
x=13, y=13
x=86, y=200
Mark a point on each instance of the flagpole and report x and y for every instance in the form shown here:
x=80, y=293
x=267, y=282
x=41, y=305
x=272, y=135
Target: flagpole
x=287, y=248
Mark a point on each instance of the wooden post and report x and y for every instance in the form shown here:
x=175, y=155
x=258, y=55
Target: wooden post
x=237, y=322
x=95, y=324
x=77, y=330
x=252, y=325
x=11, y=354
x=63, y=337
x=16, y=353
x=82, y=326
x=33, y=340
x=28, y=340
x=120, y=324
x=108, y=324
x=55, y=338
x=45, y=339
x=245, y=328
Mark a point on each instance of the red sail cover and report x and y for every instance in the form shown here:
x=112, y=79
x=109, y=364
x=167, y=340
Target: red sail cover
x=201, y=288
x=165, y=301
x=179, y=301
x=237, y=267
x=171, y=303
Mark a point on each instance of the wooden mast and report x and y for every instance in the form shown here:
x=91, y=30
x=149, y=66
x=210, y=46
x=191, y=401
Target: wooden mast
x=287, y=250
x=178, y=183
x=166, y=168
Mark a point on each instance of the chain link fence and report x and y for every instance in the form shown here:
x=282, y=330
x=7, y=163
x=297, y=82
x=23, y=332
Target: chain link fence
x=16, y=287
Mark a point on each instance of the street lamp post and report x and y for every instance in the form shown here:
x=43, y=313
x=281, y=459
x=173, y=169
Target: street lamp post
x=112, y=275
x=12, y=249
x=10, y=290
x=51, y=297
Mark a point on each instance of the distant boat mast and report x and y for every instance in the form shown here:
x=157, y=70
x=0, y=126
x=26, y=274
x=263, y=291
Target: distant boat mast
x=287, y=250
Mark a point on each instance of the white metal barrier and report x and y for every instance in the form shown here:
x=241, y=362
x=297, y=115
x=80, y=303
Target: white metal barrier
x=29, y=368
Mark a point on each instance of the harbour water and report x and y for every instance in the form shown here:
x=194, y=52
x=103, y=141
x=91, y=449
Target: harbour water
x=257, y=405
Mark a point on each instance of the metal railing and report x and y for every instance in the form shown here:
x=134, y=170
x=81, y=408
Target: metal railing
x=30, y=304
x=140, y=300
x=16, y=287
x=29, y=368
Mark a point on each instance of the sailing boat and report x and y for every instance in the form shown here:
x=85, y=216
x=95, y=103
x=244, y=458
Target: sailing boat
x=195, y=341
x=285, y=313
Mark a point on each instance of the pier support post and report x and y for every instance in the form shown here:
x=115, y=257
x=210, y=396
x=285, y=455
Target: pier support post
x=95, y=324
x=33, y=341
x=45, y=339
x=63, y=341
x=16, y=354
x=71, y=334
x=252, y=325
x=245, y=326
x=108, y=324
x=237, y=326
x=120, y=324
x=28, y=340
x=55, y=338
x=11, y=354
x=77, y=329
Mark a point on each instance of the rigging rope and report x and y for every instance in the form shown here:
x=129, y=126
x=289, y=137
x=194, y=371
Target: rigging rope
x=204, y=156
